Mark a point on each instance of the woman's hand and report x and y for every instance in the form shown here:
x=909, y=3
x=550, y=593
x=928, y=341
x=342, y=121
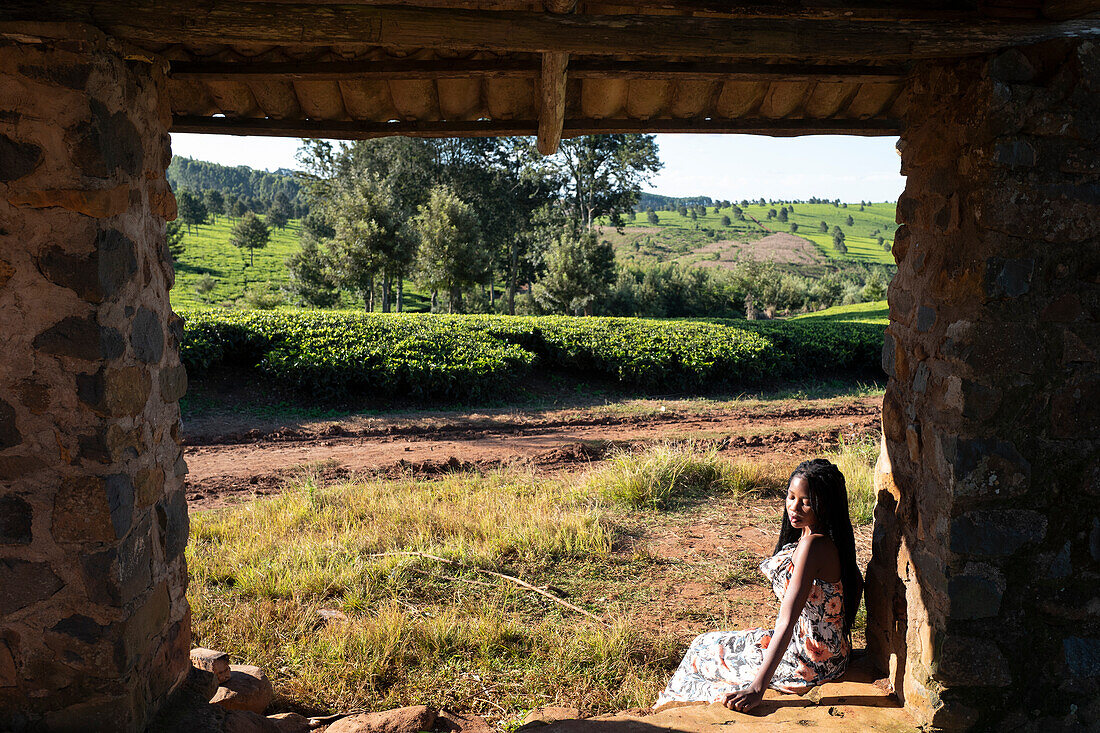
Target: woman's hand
x=743, y=700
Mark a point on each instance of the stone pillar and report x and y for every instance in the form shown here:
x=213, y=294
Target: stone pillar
x=984, y=587
x=94, y=624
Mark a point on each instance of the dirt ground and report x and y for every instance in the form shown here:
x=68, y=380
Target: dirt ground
x=780, y=248
x=231, y=457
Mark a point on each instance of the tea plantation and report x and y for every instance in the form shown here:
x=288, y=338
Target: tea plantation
x=346, y=355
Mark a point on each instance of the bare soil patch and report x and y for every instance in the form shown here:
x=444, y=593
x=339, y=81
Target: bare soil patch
x=228, y=464
x=781, y=248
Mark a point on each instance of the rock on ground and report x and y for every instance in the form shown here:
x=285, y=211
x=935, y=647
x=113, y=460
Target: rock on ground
x=212, y=661
x=550, y=714
x=248, y=688
x=455, y=723
x=402, y=720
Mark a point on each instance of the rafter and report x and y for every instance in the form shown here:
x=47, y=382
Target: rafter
x=354, y=130
x=266, y=71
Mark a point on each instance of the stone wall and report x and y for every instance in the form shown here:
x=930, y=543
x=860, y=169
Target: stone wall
x=984, y=587
x=94, y=625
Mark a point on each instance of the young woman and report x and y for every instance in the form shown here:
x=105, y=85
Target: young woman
x=813, y=571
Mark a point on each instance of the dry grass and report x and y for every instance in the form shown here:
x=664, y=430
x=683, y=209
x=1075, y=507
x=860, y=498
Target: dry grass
x=419, y=631
x=670, y=475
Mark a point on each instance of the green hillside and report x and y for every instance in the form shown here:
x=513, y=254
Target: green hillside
x=208, y=252
x=677, y=237
x=875, y=313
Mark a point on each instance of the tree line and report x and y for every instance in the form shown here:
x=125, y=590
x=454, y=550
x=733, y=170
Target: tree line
x=460, y=216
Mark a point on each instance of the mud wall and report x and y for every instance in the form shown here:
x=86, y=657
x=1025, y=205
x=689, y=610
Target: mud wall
x=984, y=587
x=94, y=625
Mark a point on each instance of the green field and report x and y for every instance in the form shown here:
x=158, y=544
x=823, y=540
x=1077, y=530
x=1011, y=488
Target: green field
x=678, y=235
x=208, y=252
x=876, y=313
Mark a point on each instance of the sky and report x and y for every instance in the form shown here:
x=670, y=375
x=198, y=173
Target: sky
x=730, y=167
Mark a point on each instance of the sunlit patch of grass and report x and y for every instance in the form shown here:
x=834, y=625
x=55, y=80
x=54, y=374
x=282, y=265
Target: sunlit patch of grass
x=665, y=475
x=857, y=462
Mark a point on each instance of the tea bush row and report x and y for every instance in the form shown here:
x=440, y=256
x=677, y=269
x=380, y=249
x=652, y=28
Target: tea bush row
x=336, y=355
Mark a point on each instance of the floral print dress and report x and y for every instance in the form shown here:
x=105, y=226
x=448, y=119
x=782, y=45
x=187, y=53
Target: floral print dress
x=725, y=661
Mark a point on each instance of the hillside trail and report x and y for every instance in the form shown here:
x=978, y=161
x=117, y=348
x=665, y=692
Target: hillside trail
x=231, y=458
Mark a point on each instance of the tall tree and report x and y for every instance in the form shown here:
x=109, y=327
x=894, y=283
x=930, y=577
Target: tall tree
x=311, y=281
x=191, y=209
x=214, y=202
x=580, y=270
x=368, y=234
x=250, y=233
x=604, y=174
x=450, y=258
x=277, y=215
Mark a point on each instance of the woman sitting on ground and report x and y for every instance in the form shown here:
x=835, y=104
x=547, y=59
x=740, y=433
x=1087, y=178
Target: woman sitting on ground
x=814, y=573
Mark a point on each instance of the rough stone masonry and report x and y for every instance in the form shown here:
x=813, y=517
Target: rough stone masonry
x=94, y=624
x=984, y=588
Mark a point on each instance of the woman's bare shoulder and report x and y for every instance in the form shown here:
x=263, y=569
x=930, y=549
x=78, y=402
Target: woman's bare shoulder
x=818, y=547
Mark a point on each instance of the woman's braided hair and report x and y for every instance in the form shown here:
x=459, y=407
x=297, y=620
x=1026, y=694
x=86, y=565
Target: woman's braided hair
x=829, y=500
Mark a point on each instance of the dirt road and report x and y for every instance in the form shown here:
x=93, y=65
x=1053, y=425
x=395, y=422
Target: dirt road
x=229, y=461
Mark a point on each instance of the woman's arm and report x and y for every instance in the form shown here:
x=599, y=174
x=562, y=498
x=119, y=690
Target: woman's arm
x=806, y=561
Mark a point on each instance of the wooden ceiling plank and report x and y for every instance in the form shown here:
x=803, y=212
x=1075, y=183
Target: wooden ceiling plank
x=475, y=68
x=493, y=128
x=308, y=24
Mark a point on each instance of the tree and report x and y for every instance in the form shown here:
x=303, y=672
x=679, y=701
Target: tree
x=173, y=234
x=652, y=218
x=783, y=214
x=794, y=227
x=239, y=208
x=191, y=209
x=250, y=233
x=450, y=258
x=369, y=236
x=604, y=174
x=214, y=202
x=882, y=243
x=849, y=221
x=277, y=215
x=838, y=241
x=772, y=214
x=726, y=221
x=579, y=271
x=682, y=210
x=694, y=215
x=824, y=227
x=311, y=280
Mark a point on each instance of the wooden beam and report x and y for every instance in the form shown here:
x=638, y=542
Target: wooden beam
x=1066, y=9
x=344, y=70
x=893, y=10
x=307, y=24
x=551, y=101
x=344, y=130
x=262, y=71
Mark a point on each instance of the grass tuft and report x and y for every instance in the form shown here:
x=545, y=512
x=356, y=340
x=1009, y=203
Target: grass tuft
x=668, y=475
x=856, y=461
